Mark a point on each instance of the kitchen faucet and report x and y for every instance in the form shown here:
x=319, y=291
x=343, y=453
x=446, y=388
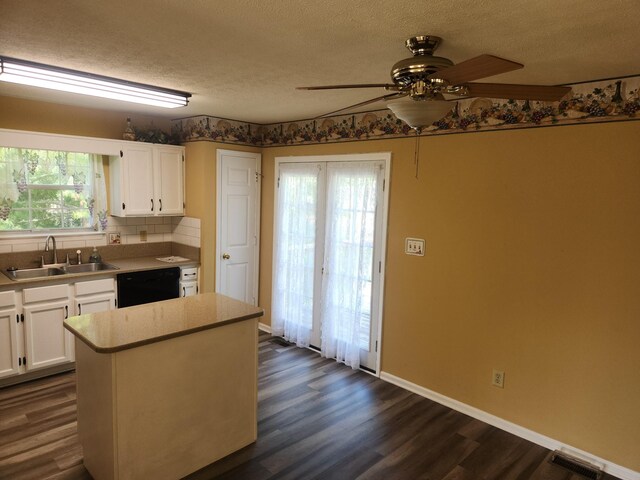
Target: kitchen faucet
x=55, y=250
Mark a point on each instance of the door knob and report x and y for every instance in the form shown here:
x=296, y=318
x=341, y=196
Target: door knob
x=226, y=256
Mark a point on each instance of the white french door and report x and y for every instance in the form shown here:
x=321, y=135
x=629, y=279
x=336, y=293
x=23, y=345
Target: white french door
x=328, y=250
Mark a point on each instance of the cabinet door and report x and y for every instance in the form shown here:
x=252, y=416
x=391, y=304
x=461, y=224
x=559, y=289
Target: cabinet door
x=46, y=340
x=169, y=181
x=9, y=342
x=187, y=289
x=95, y=303
x=137, y=181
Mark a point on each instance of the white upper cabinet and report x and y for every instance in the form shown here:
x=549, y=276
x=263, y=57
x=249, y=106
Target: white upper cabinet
x=147, y=180
x=169, y=180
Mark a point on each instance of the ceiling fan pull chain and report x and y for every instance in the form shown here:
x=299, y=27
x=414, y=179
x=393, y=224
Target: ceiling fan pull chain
x=416, y=161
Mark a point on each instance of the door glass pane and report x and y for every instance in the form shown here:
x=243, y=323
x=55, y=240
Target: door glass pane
x=348, y=261
x=294, y=262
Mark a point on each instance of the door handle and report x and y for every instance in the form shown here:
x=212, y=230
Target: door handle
x=226, y=256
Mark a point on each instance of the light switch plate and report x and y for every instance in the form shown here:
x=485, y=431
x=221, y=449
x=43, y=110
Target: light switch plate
x=414, y=246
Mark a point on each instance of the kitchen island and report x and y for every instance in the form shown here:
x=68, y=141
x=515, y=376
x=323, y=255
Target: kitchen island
x=165, y=388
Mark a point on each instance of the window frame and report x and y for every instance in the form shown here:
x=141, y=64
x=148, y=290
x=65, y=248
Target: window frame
x=57, y=142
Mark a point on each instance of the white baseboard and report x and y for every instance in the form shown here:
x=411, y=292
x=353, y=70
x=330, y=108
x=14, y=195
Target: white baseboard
x=522, y=432
x=264, y=328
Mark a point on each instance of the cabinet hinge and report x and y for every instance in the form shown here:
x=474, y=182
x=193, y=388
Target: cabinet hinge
x=19, y=362
x=384, y=182
x=278, y=182
x=121, y=154
x=24, y=360
x=376, y=345
x=379, y=267
x=22, y=317
x=17, y=318
x=123, y=205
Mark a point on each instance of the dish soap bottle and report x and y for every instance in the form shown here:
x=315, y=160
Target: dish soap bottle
x=95, y=256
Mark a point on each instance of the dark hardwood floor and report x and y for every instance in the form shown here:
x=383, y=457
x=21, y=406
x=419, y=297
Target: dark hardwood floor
x=317, y=420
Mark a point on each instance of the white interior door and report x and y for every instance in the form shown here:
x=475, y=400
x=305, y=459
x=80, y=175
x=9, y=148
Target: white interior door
x=238, y=201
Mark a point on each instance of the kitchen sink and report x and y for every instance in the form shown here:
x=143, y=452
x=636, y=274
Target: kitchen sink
x=28, y=273
x=58, y=269
x=88, y=267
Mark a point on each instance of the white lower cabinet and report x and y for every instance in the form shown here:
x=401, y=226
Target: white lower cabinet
x=188, y=289
x=95, y=296
x=32, y=333
x=47, y=343
x=10, y=357
x=188, y=281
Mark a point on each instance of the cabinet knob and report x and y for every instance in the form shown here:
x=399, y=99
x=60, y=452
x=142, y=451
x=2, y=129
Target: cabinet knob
x=226, y=256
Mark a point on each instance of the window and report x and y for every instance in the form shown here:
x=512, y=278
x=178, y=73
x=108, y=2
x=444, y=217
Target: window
x=51, y=190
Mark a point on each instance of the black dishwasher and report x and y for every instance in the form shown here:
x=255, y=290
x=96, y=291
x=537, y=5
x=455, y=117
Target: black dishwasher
x=148, y=286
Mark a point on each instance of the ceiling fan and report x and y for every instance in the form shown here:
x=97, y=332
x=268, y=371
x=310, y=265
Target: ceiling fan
x=421, y=82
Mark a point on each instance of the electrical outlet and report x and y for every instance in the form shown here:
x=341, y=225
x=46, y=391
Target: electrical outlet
x=143, y=235
x=414, y=246
x=498, y=378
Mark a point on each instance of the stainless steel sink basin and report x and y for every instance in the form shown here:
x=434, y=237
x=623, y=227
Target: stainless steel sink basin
x=28, y=273
x=57, y=269
x=88, y=267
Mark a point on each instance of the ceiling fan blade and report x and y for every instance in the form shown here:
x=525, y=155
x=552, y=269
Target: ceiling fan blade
x=517, y=92
x=475, y=68
x=366, y=102
x=388, y=86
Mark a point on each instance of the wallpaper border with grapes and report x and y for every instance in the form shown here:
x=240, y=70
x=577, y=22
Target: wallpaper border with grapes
x=590, y=102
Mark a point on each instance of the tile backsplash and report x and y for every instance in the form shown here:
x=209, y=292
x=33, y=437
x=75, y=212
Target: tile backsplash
x=182, y=230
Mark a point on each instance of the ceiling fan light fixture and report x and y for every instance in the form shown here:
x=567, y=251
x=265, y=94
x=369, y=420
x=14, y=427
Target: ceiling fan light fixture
x=419, y=114
x=72, y=81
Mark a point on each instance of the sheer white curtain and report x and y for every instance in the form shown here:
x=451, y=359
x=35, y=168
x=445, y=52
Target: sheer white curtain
x=352, y=190
x=98, y=200
x=294, y=259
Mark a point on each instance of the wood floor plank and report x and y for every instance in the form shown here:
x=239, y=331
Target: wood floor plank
x=317, y=419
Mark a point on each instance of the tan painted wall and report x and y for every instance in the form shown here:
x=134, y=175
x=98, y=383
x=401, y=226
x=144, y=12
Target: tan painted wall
x=20, y=114
x=532, y=267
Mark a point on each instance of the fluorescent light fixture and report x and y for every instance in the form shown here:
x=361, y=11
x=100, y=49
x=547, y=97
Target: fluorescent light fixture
x=45, y=76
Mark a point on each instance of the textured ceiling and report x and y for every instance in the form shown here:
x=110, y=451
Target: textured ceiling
x=242, y=59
